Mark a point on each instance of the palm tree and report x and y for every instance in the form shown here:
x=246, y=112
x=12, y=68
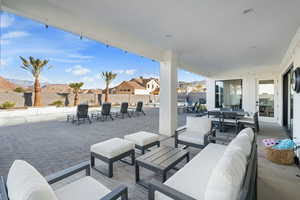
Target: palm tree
x=108, y=77
x=35, y=67
x=76, y=89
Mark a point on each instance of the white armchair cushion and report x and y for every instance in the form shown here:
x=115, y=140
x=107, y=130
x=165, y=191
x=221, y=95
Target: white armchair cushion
x=198, y=124
x=192, y=137
x=226, y=179
x=86, y=188
x=24, y=182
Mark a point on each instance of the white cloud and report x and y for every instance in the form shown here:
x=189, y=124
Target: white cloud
x=128, y=71
x=78, y=70
x=3, y=62
x=62, y=60
x=14, y=34
x=83, y=57
x=88, y=79
x=6, y=20
x=118, y=71
x=3, y=42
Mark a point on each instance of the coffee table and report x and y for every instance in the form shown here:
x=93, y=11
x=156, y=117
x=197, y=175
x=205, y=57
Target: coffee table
x=160, y=161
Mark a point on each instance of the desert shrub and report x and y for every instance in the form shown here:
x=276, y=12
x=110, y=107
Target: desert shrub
x=57, y=103
x=19, y=90
x=7, y=104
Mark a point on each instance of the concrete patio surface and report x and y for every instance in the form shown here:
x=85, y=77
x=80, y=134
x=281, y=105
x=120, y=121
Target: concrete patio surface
x=55, y=145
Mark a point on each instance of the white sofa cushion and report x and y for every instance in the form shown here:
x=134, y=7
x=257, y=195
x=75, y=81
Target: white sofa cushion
x=198, y=124
x=24, y=182
x=86, y=188
x=242, y=143
x=227, y=177
x=192, y=179
x=192, y=137
x=112, y=147
x=142, y=138
x=249, y=132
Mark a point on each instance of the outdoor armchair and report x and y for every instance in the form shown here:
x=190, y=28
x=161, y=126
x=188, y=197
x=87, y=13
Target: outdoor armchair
x=196, y=132
x=26, y=183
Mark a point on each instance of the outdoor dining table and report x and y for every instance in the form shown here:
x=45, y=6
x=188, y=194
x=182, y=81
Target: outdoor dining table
x=240, y=114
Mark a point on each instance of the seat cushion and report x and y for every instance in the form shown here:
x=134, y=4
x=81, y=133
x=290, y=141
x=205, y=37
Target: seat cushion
x=192, y=137
x=142, y=138
x=192, y=179
x=226, y=179
x=112, y=147
x=202, y=125
x=86, y=188
x=24, y=182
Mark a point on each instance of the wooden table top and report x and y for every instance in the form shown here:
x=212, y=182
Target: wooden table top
x=162, y=157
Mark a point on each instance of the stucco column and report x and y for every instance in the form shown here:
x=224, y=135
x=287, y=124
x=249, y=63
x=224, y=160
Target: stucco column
x=168, y=95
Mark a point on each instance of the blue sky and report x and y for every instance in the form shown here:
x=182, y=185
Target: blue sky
x=73, y=59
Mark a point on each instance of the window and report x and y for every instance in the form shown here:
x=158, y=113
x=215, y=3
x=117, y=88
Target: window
x=229, y=94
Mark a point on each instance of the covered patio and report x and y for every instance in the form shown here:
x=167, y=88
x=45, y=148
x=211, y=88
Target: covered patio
x=251, y=41
x=61, y=145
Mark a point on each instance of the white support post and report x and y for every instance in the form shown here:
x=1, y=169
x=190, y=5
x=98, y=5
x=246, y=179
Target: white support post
x=168, y=95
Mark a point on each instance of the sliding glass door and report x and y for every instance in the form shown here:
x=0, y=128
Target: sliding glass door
x=266, y=100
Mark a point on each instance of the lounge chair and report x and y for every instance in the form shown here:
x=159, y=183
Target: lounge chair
x=123, y=110
x=105, y=112
x=196, y=133
x=139, y=109
x=26, y=183
x=82, y=114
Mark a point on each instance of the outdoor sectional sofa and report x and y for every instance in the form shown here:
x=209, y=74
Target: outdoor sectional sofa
x=217, y=172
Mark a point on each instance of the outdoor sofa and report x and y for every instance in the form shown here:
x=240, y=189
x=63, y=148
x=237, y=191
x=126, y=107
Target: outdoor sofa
x=26, y=183
x=217, y=172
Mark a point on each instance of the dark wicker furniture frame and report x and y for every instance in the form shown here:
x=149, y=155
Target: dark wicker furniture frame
x=160, y=161
x=212, y=132
x=248, y=190
x=120, y=191
x=110, y=161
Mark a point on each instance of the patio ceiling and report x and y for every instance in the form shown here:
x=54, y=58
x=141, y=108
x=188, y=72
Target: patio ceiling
x=211, y=37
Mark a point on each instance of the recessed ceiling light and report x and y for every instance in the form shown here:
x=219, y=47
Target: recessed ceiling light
x=168, y=35
x=247, y=11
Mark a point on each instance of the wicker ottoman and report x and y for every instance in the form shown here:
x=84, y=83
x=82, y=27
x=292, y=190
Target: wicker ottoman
x=112, y=150
x=143, y=140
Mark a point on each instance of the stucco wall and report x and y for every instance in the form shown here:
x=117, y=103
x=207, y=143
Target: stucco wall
x=92, y=99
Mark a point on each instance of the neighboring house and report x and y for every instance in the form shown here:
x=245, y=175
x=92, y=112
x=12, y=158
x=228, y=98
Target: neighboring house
x=152, y=85
x=138, y=86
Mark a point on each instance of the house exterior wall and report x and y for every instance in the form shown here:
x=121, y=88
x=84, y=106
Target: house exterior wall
x=250, y=90
x=140, y=91
x=151, y=86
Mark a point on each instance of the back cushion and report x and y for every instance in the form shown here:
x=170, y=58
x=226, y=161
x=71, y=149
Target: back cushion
x=198, y=124
x=249, y=132
x=242, y=143
x=226, y=179
x=24, y=182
